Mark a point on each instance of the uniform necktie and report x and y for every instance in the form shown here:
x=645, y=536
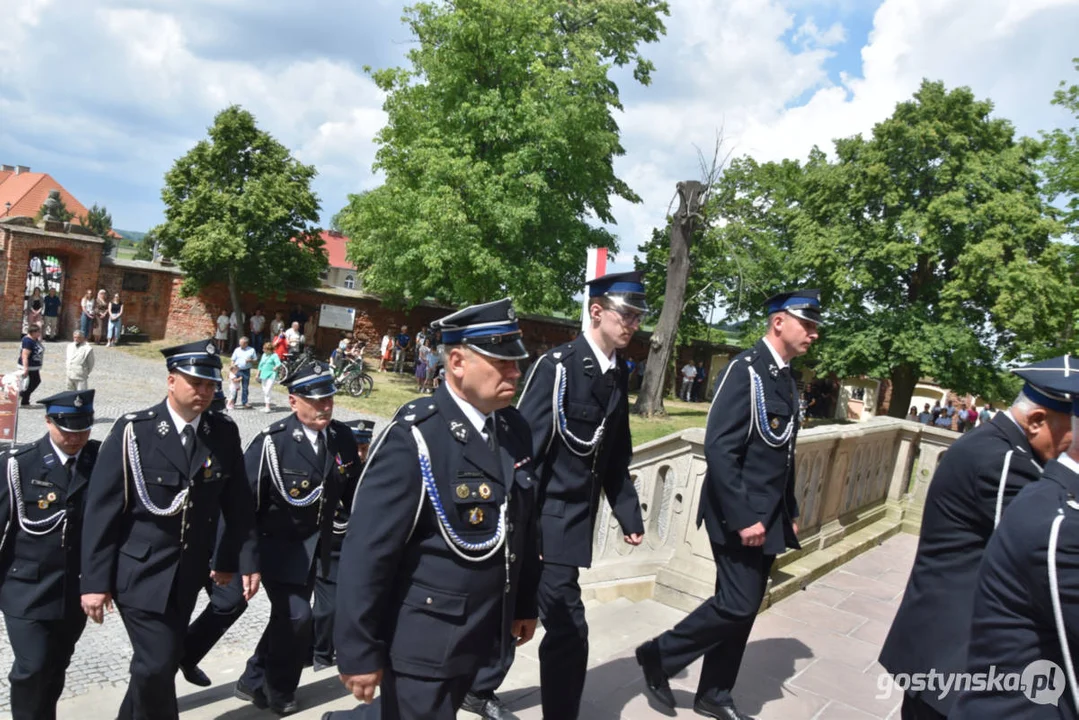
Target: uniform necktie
x=188, y=436
x=320, y=450
x=489, y=428
x=69, y=465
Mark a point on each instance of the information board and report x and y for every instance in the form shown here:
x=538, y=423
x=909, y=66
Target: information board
x=337, y=317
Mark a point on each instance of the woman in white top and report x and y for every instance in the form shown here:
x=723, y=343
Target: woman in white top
x=384, y=351
x=222, y=335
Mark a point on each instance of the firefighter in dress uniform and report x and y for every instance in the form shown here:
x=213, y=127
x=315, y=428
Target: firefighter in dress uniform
x=576, y=403
x=165, y=476
x=439, y=566
x=747, y=505
x=299, y=468
x=976, y=480
x=42, y=500
x=1025, y=620
x=325, y=604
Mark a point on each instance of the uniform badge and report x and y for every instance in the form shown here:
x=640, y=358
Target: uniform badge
x=409, y=418
x=459, y=430
x=556, y=355
x=294, y=492
x=297, y=435
x=484, y=491
x=211, y=349
x=42, y=504
x=78, y=401
x=205, y=428
x=305, y=484
x=130, y=416
x=162, y=428
x=49, y=460
x=775, y=423
x=475, y=516
x=463, y=491
x=773, y=370
x=51, y=497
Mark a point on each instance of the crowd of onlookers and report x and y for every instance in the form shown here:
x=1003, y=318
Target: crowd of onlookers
x=949, y=417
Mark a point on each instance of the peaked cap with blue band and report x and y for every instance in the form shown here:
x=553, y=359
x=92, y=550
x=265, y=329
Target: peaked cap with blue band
x=1053, y=384
x=312, y=380
x=804, y=304
x=625, y=289
x=199, y=359
x=71, y=411
x=362, y=430
x=490, y=329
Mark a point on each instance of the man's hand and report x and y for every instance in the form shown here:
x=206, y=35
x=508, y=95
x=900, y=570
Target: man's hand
x=95, y=605
x=753, y=536
x=794, y=526
x=251, y=585
x=523, y=630
x=363, y=687
x=220, y=578
x=633, y=538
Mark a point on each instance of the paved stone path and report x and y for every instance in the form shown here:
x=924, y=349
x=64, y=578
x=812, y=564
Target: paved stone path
x=811, y=657
x=125, y=383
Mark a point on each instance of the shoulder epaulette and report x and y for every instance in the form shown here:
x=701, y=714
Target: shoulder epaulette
x=17, y=450
x=560, y=353
x=141, y=415
x=415, y=412
x=275, y=428
x=750, y=355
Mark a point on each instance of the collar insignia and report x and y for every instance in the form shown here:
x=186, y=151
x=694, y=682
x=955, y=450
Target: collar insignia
x=459, y=430
x=589, y=366
x=162, y=428
x=773, y=370
x=297, y=435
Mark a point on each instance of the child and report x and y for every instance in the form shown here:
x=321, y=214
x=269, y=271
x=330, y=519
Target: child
x=268, y=372
x=234, y=386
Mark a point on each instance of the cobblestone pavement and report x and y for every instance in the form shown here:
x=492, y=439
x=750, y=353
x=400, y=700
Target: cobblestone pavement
x=125, y=383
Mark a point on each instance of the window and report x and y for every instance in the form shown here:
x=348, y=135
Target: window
x=350, y=282
x=135, y=282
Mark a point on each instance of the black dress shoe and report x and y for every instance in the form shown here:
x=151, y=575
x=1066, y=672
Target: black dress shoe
x=654, y=678
x=320, y=664
x=284, y=707
x=712, y=709
x=486, y=705
x=194, y=675
x=251, y=695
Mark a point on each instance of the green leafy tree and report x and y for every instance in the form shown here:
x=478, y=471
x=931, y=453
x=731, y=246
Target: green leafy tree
x=239, y=209
x=1061, y=169
x=99, y=221
x=144, y=248
x=498, y=150
x=930, y=241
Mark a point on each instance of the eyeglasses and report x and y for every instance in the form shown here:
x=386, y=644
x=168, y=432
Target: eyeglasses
x=629, y=318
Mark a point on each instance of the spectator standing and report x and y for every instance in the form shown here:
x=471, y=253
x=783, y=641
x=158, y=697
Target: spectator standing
x=689, y=373
x=310, y=329
x=926, y=418
x=280, y=345
x=35, y=310
x=258, y=322
x=268, y=372
x=385, y=350
x=422, y=352
x=80, y=361
x=86, y=320
x=221, y=337
x=913, y=414
x=400, y=345
x=31, y=356
x=116, y=310
x=698, y=383
x=277, y=325
x=234, y=387
x=986, y=414
x=52, y=314
x=295, y=338
x=243, y=358
x=297, y=315
x=101, y=316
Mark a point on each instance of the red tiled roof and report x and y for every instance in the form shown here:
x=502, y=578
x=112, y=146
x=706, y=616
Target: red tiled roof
x=27, y=192
x=336, y=243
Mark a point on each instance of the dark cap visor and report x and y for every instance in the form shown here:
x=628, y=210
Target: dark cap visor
x=504, y=349
x=73, y=423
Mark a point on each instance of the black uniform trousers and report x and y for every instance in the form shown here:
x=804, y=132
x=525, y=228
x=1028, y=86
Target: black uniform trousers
x=226, y=605
x=279, y=657
x=406, y=697
x=322, y=619
x=563, y=652
x=915, y=709
x=719, y=629
x=42, y=650
x=157, y=641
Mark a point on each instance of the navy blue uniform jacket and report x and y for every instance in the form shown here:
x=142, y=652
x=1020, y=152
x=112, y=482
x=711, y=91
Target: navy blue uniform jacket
x=138, y=556
x=749, y=481
x=39, y=574
x=571, y=484
x=931, y=630
x=1013, y=623
x=405, y=599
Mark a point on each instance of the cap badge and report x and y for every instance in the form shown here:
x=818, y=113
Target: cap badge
x=511, y=314
x=475, y=516
x=162, y=428
x=210, y=349
x=78, y=401
x=485, y=491
x=317, y=369
x=463, y=491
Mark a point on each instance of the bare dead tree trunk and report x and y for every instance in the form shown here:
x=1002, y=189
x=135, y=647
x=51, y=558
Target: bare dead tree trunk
x=661, y=346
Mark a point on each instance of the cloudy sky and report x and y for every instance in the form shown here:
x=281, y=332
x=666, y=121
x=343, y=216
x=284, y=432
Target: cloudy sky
x=106, y=94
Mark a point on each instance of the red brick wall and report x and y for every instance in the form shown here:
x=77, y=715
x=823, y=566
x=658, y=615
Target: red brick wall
x=149, y=310
x=80, y=258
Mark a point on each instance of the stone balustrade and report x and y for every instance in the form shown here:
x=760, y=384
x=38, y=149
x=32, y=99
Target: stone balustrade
x=856, y=486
